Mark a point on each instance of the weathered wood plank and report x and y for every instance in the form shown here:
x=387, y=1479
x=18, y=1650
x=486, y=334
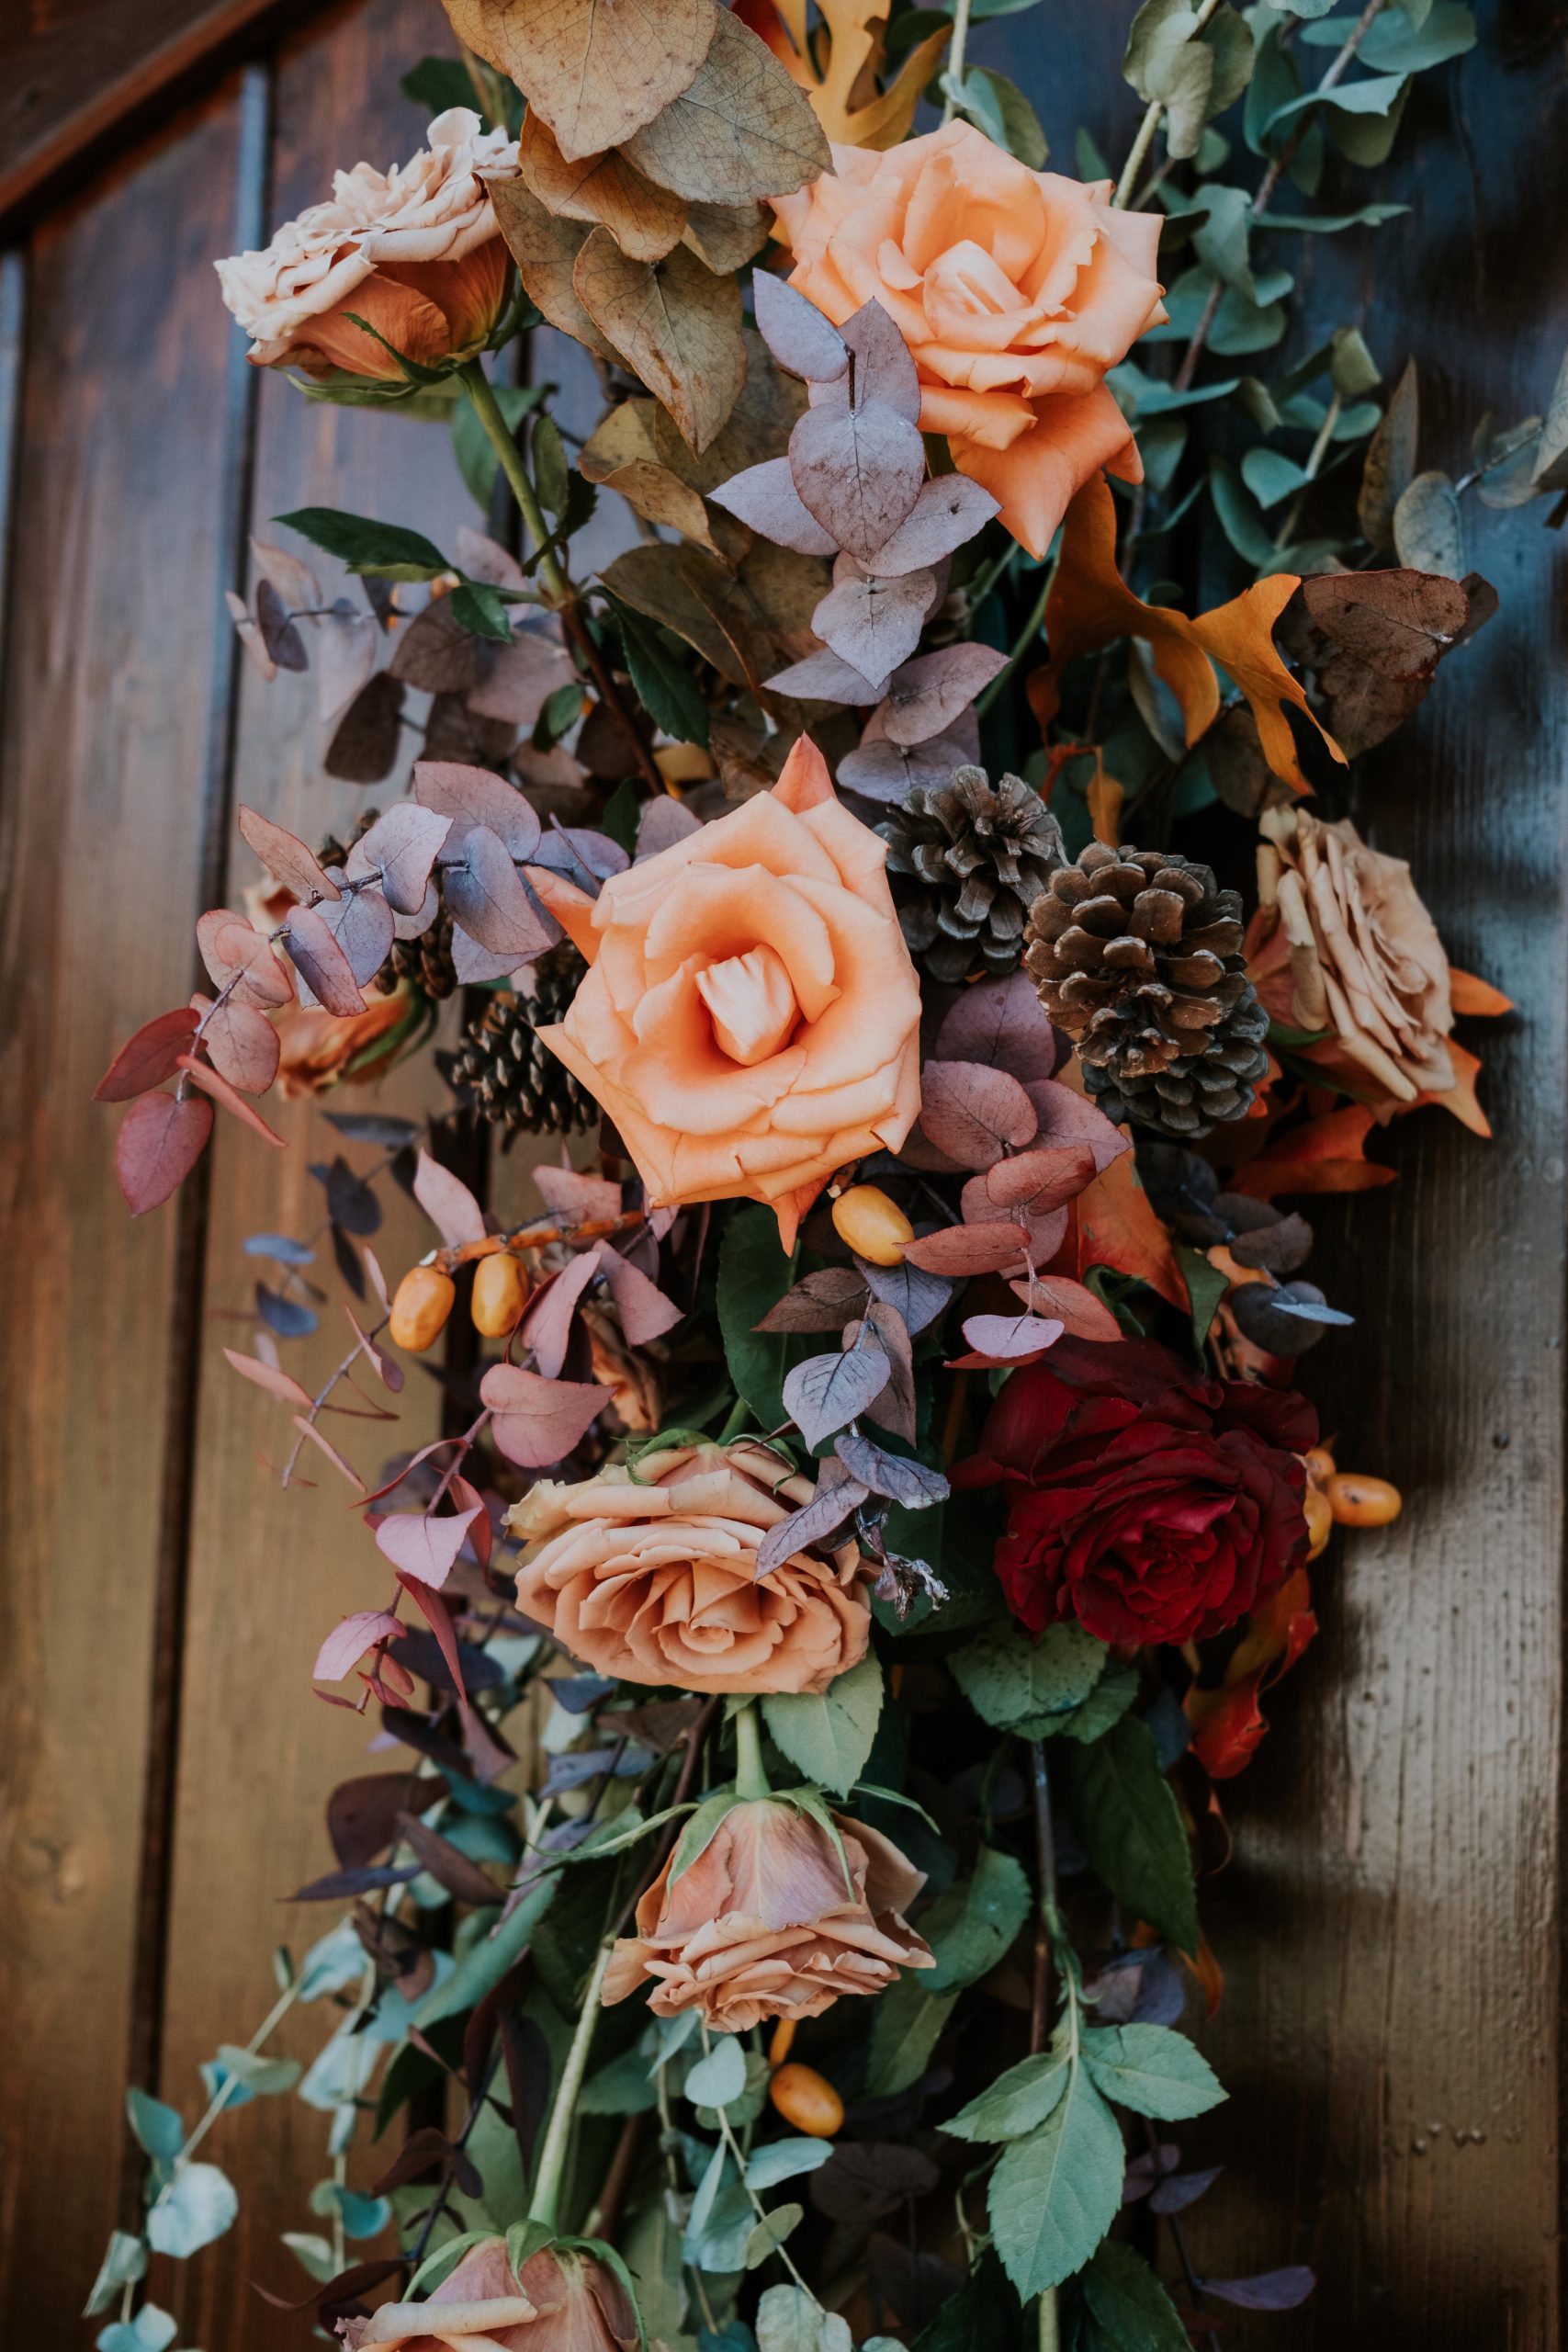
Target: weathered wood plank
x=106, y=661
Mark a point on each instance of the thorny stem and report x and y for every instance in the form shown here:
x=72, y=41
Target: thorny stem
x=545, y=2201
x=955, y=49
x=1150, y=122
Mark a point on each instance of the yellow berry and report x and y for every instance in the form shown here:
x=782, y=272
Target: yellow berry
x=779, y=2045
x=682, y=763
x=501, y=1293
x=1319, y=1466
x=805, y=2099
x=875, y=1226
x=1358, y=1500
x=420, y=1309
x=1319, y=1519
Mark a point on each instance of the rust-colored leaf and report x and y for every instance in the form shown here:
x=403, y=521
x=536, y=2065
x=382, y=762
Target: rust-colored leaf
x=149, y=1057
x=1322, y=1155
x=1112, y=1222
x=160, y=1141
x=841, y=67
x=243, y=1045
x=545, y=247
x=212, y=1083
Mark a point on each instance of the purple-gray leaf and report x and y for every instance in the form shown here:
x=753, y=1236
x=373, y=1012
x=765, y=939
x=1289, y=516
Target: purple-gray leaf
x=1269, y=2290
x=1001, y=1022
x=947, y=511
x=918, y=1298
x=796, y=332
x=477, y=796
x=400, y=847
x=893, y=1475
x=662, y=823
x=875, y=624
x=858, y=471
x=880, y=368
x=766, y=500
x=321, y=962
x=822, y=677
x=883, y=770
x=819, y=1302
x=481, y=887
x=361, y=922
x=837, y=1495
x=826, y=1392
x=926, y=695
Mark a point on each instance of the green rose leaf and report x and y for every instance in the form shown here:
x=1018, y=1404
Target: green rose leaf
x=1055, y=2193
x=829, y=1734
x=1026, y=1687
x=970, y=1926
x=1131, y=1829
x=1152, y=2069
x=1017, y=2102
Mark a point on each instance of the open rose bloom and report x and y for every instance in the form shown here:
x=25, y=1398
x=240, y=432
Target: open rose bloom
x=751, y=1020
x=1015, y=290
x=414, y=252
x=561, y=2302
x=764, y=1923
x=655, y=1580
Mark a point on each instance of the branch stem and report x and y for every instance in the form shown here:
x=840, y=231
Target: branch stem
x=956, y=48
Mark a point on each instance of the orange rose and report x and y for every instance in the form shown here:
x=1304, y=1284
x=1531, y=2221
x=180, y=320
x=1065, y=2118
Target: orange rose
x=1015, y=290
x=322, y=1049
x=764, y=1925
x=751, y=1021
x=559, y=2302
x=414, y=252
x=655, y=1580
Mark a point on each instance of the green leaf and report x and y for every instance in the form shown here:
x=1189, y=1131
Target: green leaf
x=526, y=2239
x=313, y=2253
x=1352, y=367
x=620, y=816
x=1205, y=1284
x=698, y=1833
x=487, y=1959
x=471, y=445
x=1272, y=477
x=1132, y=1830
x=561, y=712
x=552, y=475
x=829, y=1734
x=790, y=2319
x=1129, y=2306
x=753, y=1276
x=385, y=551
x=785, y=2160
x=1055, y=2194
x=1152, y=2069
x=197, y=2206
x=971, y=1925
x=1022, y=1686
x=1391, y=44
x=719, y=2076
x=482, y=611
x=661, y=680
x=1106, y=1703
x=905, y=2029
x=1240, y=516
x=1017, y=2102
x=264, y=2077
x=158, y=2129
x=1375, y=95
x=125, y=2261
x=150, y=2330
x=770, y=2233
x=1005, y=115
x=983, y=2314
x=1329, y=224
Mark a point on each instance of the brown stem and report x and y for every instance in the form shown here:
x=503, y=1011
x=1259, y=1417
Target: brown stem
x=607, y=2212
x=611, y=695
x=1045, y=1858
x=1178, y=2238
x=535, y=1236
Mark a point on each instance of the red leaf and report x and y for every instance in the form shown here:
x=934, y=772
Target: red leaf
x=1086, y=1316
x=1066, y=1119
x=349, y=1640
x=284, y=854
x=322, y=964
x=447, y=1203
x=243, y=1045
x=1033, y=1181
x=481, y=1535
x=537, y=1420
x=346, y=1469
x=974, y=1114
x=270, y=1377
x=389, y=1370
x=419, y=1546
x=961, y=1250
x=159, y=1143
x=150, y=1056
x=221, y=1091
x=439, y=1618
x=230, y=946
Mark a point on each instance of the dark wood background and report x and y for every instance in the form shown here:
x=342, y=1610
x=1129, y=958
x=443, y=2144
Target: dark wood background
x=1389, y=1927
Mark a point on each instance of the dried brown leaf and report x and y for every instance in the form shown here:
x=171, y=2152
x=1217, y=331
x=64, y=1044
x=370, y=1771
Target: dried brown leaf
x=1390, y=465
x=595, y=71
x=435, y=653
x=727, y=235
x=545, y=247
x=739, y=129
x=674, y=323
x=602, y=189
x=365, y=741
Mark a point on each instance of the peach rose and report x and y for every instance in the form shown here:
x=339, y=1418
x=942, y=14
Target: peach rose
x=1015, y=290
x=750, y=1018
x=560, y=2302
x=654, y=1579
x=321, y=1050
x=764, y=1925
x=415, y=252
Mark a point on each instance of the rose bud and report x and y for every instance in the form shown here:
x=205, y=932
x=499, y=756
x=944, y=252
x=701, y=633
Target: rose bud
x=559, y=2302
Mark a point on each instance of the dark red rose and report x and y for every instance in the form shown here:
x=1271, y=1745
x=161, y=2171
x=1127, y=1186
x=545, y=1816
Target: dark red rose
x=1152, y=1503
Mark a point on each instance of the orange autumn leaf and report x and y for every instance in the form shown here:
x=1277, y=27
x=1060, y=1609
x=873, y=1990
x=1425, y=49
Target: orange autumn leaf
x=1470, y=995
x=1090, y=606
x=1228, y=1724
x=1105, y=797
x=1325, y=1155
x=1112, y=1224
x=840, y=69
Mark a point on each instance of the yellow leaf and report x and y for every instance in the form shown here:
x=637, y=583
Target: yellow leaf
x=840, y=71
x=1105, y=797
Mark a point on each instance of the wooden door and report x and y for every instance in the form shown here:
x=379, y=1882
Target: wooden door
x=1388, y=1926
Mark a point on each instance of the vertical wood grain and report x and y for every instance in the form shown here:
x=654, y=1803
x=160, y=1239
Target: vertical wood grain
x=114, y=535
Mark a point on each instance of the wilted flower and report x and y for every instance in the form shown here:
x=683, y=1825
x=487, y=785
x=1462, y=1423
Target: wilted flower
x=652, y=1576
x=414, y=252
x=769, y=1921
x=559, y=2302
x=321, y=1050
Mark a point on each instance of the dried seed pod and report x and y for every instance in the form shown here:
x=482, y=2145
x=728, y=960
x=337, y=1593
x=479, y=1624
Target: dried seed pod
x=1358, y=1500
x=501, y=1293
x=807, y=2100
x=874, y=1226
x=419, y=1309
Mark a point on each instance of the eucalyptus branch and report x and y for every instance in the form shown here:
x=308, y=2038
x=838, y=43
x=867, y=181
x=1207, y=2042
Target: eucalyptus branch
x=956, y=46
x=1150, y=123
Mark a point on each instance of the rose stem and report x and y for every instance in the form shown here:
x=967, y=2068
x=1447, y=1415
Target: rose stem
x=955, y=48
x=563, y=595
x=751, y=1780
x=1045, y=1857
x=545, y=2203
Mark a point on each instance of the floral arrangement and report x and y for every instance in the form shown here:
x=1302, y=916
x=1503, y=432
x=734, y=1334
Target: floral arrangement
x=809, y=1662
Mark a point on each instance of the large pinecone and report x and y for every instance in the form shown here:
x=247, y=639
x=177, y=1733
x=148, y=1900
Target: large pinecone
x=1137, y=956
x=502, y=1072
x=427, y=960
x=970, y=858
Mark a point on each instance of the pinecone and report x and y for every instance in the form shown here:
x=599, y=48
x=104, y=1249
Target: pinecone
x=1137, y=956
x=972, y=858
x=502, y=1073
x=427, y=960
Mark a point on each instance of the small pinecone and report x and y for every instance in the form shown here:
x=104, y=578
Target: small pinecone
x=971, y=857
x=1137, y=956
x=427, y=960
x=504, y=1074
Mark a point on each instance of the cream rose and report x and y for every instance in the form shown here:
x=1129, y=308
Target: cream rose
x=751, y=1019
x=1015, y=290
x=654, y=1579
x=415, y=252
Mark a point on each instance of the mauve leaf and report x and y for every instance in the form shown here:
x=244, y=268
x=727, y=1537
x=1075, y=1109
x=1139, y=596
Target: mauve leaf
x=583, y=855
x=662, y=823
x=883, y=770
x=421, y=1546
x=643, y=1308
x=547, y=1326
x=477, y=796
x=270, y=1377
x=928, y=692
x=897, y=1408
x=149, y=1057
x=346, y=1645
x=902, y=1480
x=389, y=1370
x=361, y=922
x=447, y=1864
x=1183, y=2189
x=447, y=1203
x=437, y=654
x=323, y=1444
x=1066, y=1119
x=676, y=324
x=243, y=1045
x=320, y=963
x=289, y=576
x=474, y=965
x=973, y=1114
x=960, y=1251
x=521, y=680
x=211, y=1083
x=400, y=847
x=576, y=1197
x=875, y=624
x=837, y=1498
x=916, y=1296
x=822, y=677
x=1269, y=2290
x=766, y=500
x=881, y=368
x=1034, y=1181
x=365, y=741
x=948, y=511
x=1010, y=1338
x=802, y=341
x=1056, y=1296
x=1002, y=1024
x=821, y=1302
x=286, y=856
x=859, y=471
x=159, y=1143
x=484, y=892
x=228, y=946
x=825, y=1392
x=537, y=1421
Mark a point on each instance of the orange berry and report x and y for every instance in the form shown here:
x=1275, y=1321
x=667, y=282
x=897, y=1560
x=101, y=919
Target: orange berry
x=783, y=2036
x=1358, y=1500
x=421, y=1306
x=875, y=1226
x=807, y=2099
x=501, y=1293
x=1319, y=1519
x=1319, y=1466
